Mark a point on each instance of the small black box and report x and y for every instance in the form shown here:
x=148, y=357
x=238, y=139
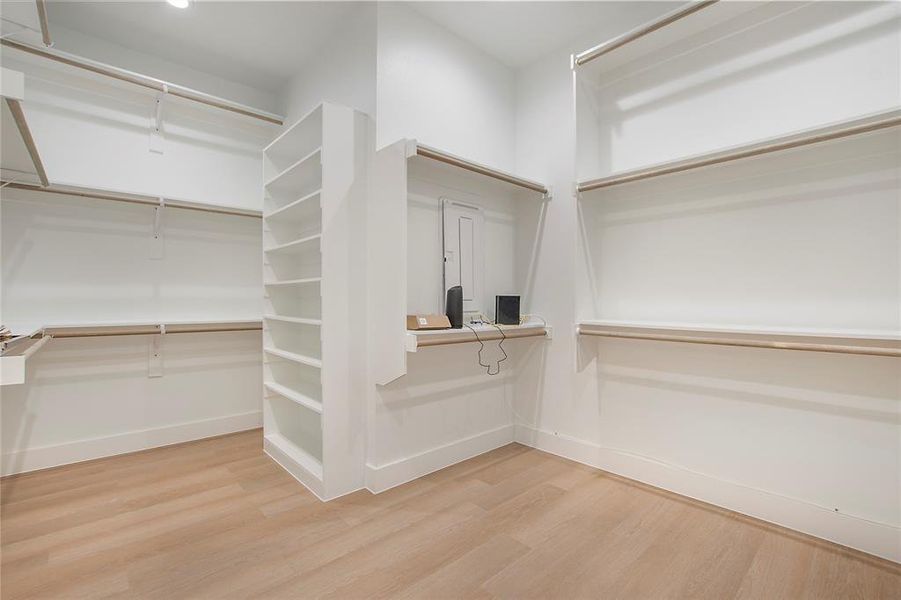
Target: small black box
x=506, y=310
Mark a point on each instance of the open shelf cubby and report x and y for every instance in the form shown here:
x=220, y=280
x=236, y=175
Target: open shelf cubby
x=314, y=190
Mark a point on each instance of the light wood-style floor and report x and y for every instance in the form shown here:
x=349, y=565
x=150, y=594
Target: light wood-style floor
x=218, y=519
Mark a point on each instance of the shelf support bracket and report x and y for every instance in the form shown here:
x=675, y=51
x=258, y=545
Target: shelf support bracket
x=156, y=131
x=155, y=354
x=156, y=244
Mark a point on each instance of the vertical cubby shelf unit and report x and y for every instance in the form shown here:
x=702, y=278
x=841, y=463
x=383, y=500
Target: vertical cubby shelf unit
x=313, y=219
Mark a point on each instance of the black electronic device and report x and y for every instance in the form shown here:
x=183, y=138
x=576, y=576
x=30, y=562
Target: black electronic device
x=506, y=310
x=454, y=307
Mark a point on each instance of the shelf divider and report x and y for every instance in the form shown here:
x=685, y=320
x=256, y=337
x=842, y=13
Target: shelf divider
x=294, y=396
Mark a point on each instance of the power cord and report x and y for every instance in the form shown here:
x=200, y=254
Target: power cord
x=500, y=346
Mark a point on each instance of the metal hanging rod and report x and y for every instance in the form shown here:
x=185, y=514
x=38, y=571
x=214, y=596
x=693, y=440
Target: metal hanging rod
x=15, y=107
x=786, y=341
x=450, y=159
x=150, y=329
x=133, y=199
x=144, y=81
x=643, y=30
x=45, y=24
x=883, y=120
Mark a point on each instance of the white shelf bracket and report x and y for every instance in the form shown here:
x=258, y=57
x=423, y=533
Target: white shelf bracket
x=155, y=354
x=156, y=244
x=156, y=130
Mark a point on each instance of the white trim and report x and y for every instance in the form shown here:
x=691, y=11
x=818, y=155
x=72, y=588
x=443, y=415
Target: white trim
x=384, y=477
x=296, y=468
x=874, y=538
x=45, y=457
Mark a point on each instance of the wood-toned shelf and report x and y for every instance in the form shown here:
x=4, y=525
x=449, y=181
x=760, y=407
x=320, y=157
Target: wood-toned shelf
x=691, y=19
x=143, y=81
x=294, y=396
x=152, y=201
x=834, y=131
x=294, y=246
x=486, y=333
x=104, y=330
x=474, y=167
x=14, y=357
x=297, y=320
x=294, y=357
x=840, y=341
x=642, y=30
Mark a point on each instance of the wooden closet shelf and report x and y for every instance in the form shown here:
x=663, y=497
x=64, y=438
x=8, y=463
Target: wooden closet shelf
x=78, y=331
x=818, y=341
x=444, y=337
x=834, y=131
x=456, y=161
x=152, y=201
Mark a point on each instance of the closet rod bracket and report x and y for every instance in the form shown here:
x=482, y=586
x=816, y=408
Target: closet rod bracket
x=155, y=354
x=156, y=244
x=156, y=130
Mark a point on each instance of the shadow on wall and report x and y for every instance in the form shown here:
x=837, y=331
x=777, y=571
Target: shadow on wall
x=447, y=372
x=530, y=384
x=849, y=386
x=786, y=33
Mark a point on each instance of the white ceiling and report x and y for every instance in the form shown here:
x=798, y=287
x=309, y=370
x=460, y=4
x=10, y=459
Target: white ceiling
x=519, y=33
x=257, y=43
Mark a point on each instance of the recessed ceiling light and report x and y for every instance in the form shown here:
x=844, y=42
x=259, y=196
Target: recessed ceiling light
x=179, y=3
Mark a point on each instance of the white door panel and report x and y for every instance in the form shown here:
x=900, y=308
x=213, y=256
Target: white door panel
x=464, y=260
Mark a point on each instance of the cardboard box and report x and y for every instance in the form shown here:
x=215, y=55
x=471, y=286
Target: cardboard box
x=419, y=322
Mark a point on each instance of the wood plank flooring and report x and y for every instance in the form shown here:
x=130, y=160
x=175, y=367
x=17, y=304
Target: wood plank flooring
x=218, y=519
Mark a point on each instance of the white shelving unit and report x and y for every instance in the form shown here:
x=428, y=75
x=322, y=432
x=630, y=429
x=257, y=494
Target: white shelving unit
x=313, y=204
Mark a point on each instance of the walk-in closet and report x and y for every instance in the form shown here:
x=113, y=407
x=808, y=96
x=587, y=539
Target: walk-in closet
x=373, y=299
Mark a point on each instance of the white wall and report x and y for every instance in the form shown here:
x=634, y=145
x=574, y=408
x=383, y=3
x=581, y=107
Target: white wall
x=342, y=71
x=69, y=261
x=806, y=239
x=442, y=91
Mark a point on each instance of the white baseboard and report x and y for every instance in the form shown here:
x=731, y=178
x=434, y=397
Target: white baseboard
x=873, y=538
x=297, y=470
x=32, y=459
x=384, y=477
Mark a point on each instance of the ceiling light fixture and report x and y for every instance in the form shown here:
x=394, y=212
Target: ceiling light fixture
x=179, y=3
